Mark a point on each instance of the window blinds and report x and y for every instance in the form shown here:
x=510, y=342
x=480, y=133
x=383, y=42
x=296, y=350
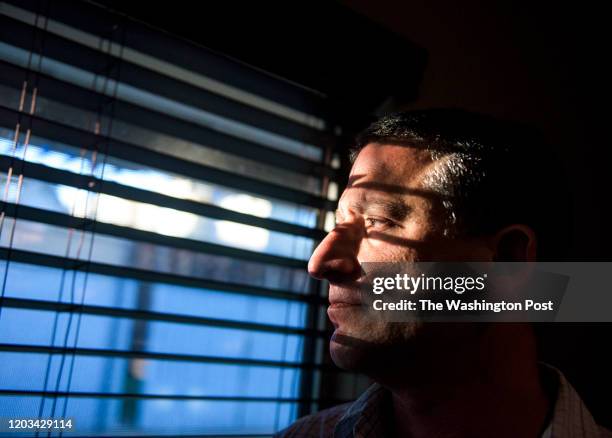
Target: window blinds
x=159, y=204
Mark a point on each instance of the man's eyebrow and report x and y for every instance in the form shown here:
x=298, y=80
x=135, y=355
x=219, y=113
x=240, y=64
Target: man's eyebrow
x=395, y=208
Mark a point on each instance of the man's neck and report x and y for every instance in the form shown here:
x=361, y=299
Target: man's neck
x=489, y=389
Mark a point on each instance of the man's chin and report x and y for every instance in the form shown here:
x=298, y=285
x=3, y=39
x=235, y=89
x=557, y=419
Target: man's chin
x=354, y=354
x=374, y=347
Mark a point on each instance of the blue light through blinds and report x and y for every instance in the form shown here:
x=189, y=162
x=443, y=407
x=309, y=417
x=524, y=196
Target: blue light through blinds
x=155, y=223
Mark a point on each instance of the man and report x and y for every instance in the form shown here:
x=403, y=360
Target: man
x=443, y=185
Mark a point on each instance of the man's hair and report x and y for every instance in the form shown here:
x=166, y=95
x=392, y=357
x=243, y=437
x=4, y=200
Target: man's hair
x=490, y=173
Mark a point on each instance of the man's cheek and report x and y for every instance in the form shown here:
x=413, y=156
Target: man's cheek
x=379, y=250
x=419, y=229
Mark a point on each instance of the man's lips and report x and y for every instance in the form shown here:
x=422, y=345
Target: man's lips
x=343, y=298
x=339, y=310
x=339, y=305
x=343, y=301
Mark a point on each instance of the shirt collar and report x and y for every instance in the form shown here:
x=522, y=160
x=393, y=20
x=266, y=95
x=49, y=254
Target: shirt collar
x=365, y=417
x=570, y=418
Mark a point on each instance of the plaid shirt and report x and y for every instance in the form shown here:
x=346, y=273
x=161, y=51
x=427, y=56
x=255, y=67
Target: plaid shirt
x=368, y=416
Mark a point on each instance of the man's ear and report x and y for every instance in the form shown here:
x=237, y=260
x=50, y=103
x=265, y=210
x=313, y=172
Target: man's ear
x=514, y=243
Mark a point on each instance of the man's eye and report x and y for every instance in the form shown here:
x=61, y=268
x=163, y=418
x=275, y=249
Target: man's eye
x=374, y=222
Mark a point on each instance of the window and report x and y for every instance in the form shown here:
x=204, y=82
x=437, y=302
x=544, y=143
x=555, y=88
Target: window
x=159, y=204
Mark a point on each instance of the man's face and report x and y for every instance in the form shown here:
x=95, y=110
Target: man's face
x=386, y=214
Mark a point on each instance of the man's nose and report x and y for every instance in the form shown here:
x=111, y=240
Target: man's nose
x=335, y=259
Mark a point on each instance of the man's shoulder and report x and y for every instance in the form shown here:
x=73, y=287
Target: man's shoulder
x=321, y=424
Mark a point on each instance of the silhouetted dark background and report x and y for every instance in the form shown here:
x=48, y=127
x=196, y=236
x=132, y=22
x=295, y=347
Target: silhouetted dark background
x=541, y=63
